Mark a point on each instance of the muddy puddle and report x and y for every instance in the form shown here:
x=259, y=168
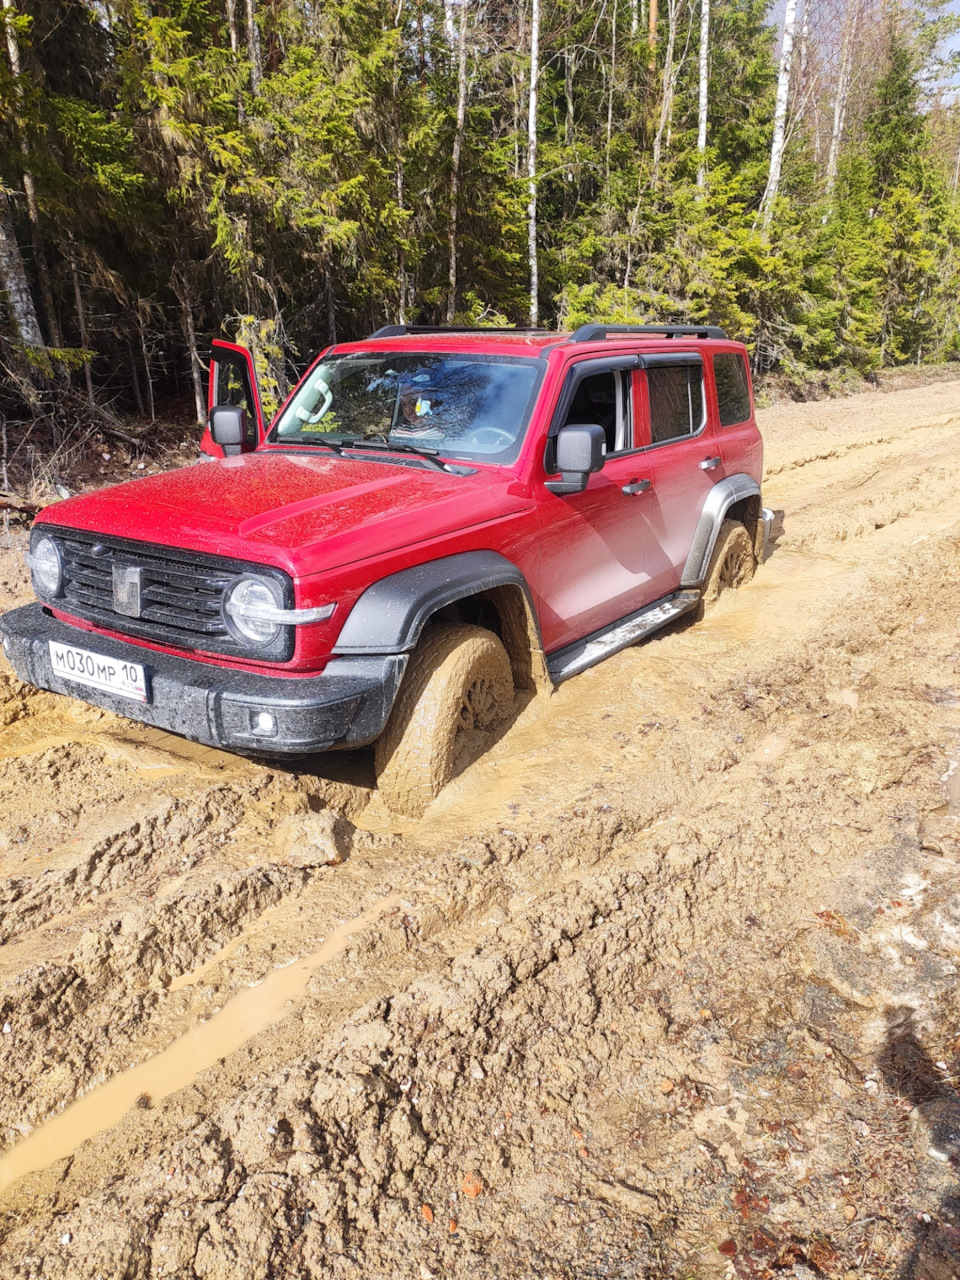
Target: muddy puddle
x=655, y=984
x=248, y=1014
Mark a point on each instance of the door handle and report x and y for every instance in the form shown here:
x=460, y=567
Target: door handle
x=708, y=464
x=638, y=486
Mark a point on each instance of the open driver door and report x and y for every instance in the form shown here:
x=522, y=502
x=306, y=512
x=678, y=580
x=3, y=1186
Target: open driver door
x=234, y=413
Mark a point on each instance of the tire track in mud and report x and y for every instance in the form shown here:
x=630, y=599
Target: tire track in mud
x=672, y=921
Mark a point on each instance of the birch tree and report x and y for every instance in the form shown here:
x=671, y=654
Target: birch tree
x=780, y=114
x=13, y=280
x=30, y=189
x=704, y=93
x=532, y=162
x=840, y=98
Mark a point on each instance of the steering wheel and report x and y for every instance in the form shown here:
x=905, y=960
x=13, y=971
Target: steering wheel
x=492, y=439
x=327, y=394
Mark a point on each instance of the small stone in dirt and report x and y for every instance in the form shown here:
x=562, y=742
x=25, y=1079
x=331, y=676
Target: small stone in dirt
x=425, y=1272
x=453, y=1225
x=7, y=1029
x=427, y=1213
x=849, y=1212
x=314, y=839
x=66, y=1238
x=143, y=1102
x=472, y=1185
x=935, y=1127
x=727, y=1248
x=666, y=1086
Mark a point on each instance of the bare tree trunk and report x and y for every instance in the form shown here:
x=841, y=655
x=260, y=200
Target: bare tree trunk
x=231, y=8
x=181, y=286
x=151, y=405
x=234, y=30
x=669, y=86
x=13, y=279
x=455, y=162
x=634, y=17
x=704, y=93
x=30, y=191
x=568, y=131
x=780, y=114
x=401, y=256
x=135, y=377
x=840, y=101
x=532, y=162
x=331, y=307
x=253, y=47
x=449, y=27
x=613, y=77
x=81, y=323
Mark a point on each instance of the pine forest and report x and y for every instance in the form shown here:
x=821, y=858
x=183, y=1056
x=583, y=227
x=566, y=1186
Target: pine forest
x=287, y=174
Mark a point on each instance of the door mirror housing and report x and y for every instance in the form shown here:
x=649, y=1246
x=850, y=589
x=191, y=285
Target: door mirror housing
x=228, y=427
x=580, y=452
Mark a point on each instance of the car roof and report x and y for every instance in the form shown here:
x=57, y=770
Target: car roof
x=529, y=343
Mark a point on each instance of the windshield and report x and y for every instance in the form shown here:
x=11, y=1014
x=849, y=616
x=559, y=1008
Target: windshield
x=461, y=406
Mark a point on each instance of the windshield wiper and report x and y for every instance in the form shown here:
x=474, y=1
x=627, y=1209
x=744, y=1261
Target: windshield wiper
x=335, y=446
x=430, y=456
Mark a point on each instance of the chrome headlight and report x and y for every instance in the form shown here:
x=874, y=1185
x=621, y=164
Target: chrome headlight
x=254, y=613
x=251, y=606
x=46, y=565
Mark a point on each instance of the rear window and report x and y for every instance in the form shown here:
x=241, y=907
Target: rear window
x=676, y=401
x=733, y=388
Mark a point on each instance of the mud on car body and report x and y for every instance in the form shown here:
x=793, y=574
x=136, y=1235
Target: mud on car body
x=433, y=521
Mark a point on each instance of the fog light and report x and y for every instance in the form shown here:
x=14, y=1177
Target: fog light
x=266, y=723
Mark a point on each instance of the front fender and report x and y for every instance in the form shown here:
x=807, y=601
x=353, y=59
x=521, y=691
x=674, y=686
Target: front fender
x=391, y=613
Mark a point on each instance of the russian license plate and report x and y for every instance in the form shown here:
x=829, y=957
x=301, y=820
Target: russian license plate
x=126, y=678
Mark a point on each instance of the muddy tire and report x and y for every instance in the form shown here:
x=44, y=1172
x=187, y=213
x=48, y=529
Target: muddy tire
x=733, y=563
x=456, y=692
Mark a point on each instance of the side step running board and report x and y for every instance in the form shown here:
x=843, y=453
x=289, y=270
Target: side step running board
x=619, y=635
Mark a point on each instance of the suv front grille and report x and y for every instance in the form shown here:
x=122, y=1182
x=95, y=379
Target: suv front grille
x=180, y=598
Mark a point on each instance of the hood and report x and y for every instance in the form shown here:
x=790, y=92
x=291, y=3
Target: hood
x=305, y=514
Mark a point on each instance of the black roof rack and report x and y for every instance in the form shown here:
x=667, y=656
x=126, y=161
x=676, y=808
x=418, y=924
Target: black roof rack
x=402, y=330
x=596, y=332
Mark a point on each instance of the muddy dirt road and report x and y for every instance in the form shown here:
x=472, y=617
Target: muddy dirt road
x=666, y=983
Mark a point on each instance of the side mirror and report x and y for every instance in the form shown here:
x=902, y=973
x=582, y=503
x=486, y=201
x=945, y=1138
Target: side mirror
x=228, y=426
x=580, y=452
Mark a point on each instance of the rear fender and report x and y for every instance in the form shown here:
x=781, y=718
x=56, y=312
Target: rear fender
x=724, y=494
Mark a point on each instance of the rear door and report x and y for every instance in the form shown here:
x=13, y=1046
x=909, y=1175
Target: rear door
x=233, y=381
x=737, y=433
x=683, y=454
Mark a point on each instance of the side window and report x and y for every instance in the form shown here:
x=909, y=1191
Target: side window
x=733, y=388
x=604, y=398
x=676, y=401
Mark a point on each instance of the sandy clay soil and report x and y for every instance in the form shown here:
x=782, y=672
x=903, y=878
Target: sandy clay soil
x=666, y=984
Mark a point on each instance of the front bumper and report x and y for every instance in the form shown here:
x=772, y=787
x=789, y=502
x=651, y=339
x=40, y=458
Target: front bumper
x=346, y=706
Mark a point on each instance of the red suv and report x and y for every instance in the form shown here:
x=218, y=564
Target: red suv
x=435, y=519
